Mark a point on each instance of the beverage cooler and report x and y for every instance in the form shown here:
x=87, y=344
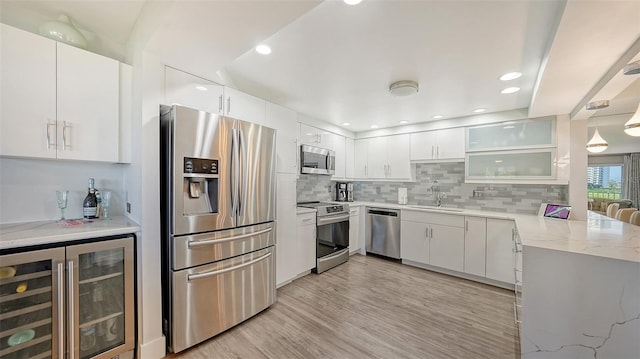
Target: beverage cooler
x=68, y=302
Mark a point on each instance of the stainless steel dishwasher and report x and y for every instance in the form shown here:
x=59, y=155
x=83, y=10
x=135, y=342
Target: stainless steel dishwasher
x=383, y=232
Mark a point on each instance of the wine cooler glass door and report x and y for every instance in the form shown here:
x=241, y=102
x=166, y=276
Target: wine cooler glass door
x=102, y=289
x=32, y=304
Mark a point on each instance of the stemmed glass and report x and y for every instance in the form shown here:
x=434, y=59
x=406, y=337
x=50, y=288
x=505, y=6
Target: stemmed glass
x=62, y=202
x=106, y=198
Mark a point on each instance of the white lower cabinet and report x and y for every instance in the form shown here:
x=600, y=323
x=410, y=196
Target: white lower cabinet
x=482, y=247
x=434, y=239
x=286, y=240
x=475, y=245
x=306, y=242
x=354, y=230
x=446, y=247
x=500, y=253
x=414, y=243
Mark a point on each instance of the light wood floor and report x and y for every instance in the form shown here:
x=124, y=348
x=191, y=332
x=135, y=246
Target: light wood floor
x=374, y=308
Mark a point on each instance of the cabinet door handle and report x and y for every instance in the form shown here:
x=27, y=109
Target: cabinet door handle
x=437, y=151
x=389, y=170
x=220, y=104
x=431, y=235
x=60, y=310
x=426, y=233
x=228, y=105
x=64, y=135
x=466, y=226
x=71, y=318
x=49, y=124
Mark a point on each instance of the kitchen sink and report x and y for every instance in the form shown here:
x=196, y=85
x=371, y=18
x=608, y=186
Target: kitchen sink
x=434, y=208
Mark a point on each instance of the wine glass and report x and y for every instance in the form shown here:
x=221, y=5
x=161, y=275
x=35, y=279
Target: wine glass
x=62, y=202
x=106, y=198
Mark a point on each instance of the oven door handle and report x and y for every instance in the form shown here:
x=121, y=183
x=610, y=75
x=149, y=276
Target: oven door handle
x=192, y=244
x=321, y=221
x=336, y=254
x=191, y=277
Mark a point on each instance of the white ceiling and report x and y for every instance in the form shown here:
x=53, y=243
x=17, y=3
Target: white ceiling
x=334, y=62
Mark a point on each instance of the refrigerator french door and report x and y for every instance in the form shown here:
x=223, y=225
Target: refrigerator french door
x=68, y=302
x=217, y=213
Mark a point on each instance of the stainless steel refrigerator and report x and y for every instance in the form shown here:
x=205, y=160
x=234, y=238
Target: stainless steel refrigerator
x=217, y=211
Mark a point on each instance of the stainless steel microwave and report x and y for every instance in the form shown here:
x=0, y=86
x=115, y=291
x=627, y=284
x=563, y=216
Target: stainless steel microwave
x=316, y=160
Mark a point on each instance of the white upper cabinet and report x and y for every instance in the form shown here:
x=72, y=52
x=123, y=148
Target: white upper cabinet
x=349, y=165
x=181, y=88
x=438, y=145
x=58, y=101
x=360, y=165
x=522, y=134
x=284, y=121
x=244, y=106
x=88, y=100
x=339, y=146
x=387, y=157
x=28, y=103
x=314, y=136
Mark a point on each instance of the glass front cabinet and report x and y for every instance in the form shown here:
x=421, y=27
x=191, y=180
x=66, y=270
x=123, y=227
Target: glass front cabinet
x=68, y=302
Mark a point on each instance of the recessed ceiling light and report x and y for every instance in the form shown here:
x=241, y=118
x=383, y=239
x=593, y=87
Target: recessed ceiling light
x=201, y=88
x=374, y=126
x=346, y=124
x=478, y=110
x=498, y=161
x=510, y=76
x=509, y=127
x=352, y=2
x=263, y=49
x=403, y=122
x=438, y=116
x=509, y=90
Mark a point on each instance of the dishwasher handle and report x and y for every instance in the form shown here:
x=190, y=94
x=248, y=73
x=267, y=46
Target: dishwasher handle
x=383, y=212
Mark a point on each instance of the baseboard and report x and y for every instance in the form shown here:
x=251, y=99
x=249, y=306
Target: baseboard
x=154, y=349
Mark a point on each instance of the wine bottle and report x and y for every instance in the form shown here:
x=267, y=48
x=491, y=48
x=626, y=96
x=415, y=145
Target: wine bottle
x=90, y=203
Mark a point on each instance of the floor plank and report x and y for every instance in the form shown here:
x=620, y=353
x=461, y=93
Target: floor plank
x=374, y=308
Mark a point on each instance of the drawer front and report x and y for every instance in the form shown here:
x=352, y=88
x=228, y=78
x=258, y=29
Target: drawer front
x=212, y=298
x=198, y=249
x=435, y=218
x=306, y=219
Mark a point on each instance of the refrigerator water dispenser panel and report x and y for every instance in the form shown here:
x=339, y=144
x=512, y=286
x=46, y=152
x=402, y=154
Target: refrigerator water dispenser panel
x=200, y=186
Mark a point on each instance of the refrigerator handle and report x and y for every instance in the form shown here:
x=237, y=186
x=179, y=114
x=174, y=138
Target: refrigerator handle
x=60, y=275
x=234, y=172
x=71, y=318
x=243, y=161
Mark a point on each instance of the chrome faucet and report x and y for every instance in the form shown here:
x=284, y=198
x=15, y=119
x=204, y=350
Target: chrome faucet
x=435, y=188
x=439, y=197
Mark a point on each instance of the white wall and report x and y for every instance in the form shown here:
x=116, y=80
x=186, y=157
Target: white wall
x=578, y=193
x=28, y=187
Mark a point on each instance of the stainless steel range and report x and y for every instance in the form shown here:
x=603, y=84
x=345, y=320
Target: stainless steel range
x=332, y=234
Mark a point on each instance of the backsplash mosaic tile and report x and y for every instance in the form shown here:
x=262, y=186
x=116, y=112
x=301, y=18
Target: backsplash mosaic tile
x=314, y=188
x=448, y=180
x=511, y=198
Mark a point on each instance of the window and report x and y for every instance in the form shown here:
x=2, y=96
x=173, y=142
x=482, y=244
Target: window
x=604, y=181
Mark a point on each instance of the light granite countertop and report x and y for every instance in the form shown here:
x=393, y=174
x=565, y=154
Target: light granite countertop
x=25, y=234
x=599, y=235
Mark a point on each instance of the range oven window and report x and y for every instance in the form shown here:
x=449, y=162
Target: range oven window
x=332, y=237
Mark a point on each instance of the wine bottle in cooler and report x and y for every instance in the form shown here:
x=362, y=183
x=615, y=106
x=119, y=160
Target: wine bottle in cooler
x=90, y=203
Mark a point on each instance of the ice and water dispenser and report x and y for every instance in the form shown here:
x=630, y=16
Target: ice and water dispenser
x=200, y=186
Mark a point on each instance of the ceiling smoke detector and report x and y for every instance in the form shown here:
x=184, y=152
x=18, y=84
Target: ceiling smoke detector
x=403, y=88
x=597, y=105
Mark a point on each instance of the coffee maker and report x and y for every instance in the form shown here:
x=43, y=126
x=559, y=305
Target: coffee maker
x=344, y=191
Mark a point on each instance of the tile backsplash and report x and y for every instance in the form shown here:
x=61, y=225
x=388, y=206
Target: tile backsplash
x=315, y=188
x=512, y=198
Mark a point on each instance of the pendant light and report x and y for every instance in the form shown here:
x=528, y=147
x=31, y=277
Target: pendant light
x=632, y=127
x=597, y=144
